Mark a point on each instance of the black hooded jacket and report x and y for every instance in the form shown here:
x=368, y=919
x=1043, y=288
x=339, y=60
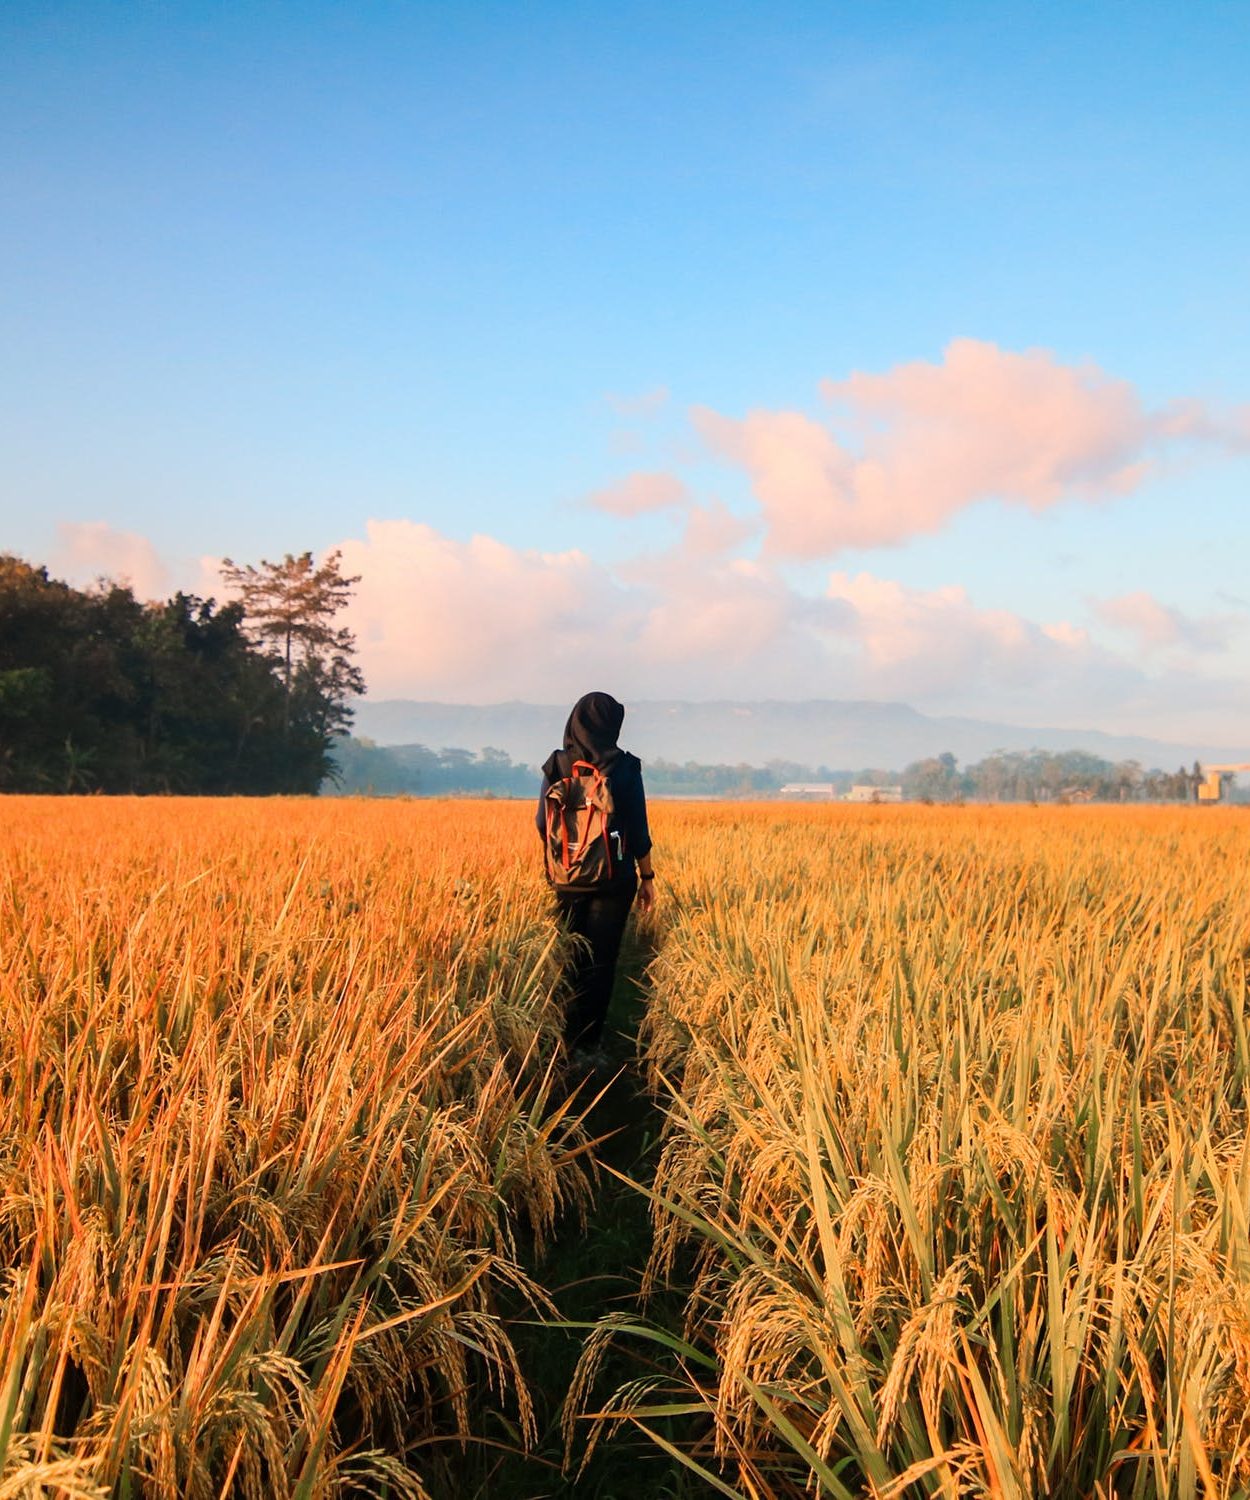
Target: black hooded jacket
x=590, y=735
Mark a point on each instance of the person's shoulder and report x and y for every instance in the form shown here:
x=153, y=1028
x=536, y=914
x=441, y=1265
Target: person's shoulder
x=629, y=764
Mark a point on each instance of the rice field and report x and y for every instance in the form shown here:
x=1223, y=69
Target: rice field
x=953, y=1185
x=276, y=1085
x=957, y=1167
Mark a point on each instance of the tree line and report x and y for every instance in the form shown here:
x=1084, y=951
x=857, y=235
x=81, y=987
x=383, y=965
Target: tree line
x=366, y=768
x=1046, y=776
x=101, y=691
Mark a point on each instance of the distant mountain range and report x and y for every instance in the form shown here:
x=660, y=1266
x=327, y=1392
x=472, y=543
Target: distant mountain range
x=840, y=735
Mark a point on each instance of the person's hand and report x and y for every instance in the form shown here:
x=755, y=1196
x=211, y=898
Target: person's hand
x=646, y=896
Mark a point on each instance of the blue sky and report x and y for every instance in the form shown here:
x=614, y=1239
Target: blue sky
x=271, y=273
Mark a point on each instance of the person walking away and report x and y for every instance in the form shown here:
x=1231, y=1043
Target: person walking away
x=592, y=817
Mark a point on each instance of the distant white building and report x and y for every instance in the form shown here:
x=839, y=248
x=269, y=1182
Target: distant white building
x=875, y=794
x=814, y=790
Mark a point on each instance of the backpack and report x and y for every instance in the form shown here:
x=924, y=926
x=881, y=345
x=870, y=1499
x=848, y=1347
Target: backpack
x=581, y=852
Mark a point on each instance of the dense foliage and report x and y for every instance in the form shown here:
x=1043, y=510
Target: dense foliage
x=365, y=769
x=101, y=692
x=1044, y=776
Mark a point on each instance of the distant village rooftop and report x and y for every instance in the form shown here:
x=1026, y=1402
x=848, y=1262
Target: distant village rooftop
x=826, y=791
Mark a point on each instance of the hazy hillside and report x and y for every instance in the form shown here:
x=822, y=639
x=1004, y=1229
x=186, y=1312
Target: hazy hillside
x=820, y=731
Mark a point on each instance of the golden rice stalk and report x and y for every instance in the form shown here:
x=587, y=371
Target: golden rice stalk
x=957, y=1147
x=278, y=1093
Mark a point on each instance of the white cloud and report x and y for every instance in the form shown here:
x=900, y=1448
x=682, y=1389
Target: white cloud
x=713, y=529
x=477, y=620
x=88, y=550
x=639, y=493
x=924, y=645
x=1157, y=626
x=900, y=453
x=481, y=621
x=941, y=652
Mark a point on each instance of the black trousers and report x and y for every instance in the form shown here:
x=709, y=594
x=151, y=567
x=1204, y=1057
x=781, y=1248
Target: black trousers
x=599, y=922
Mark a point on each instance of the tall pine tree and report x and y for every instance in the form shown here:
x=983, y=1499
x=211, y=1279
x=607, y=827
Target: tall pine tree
x=290, y=607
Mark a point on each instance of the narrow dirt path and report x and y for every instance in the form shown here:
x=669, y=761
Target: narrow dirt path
x=588, y=1273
